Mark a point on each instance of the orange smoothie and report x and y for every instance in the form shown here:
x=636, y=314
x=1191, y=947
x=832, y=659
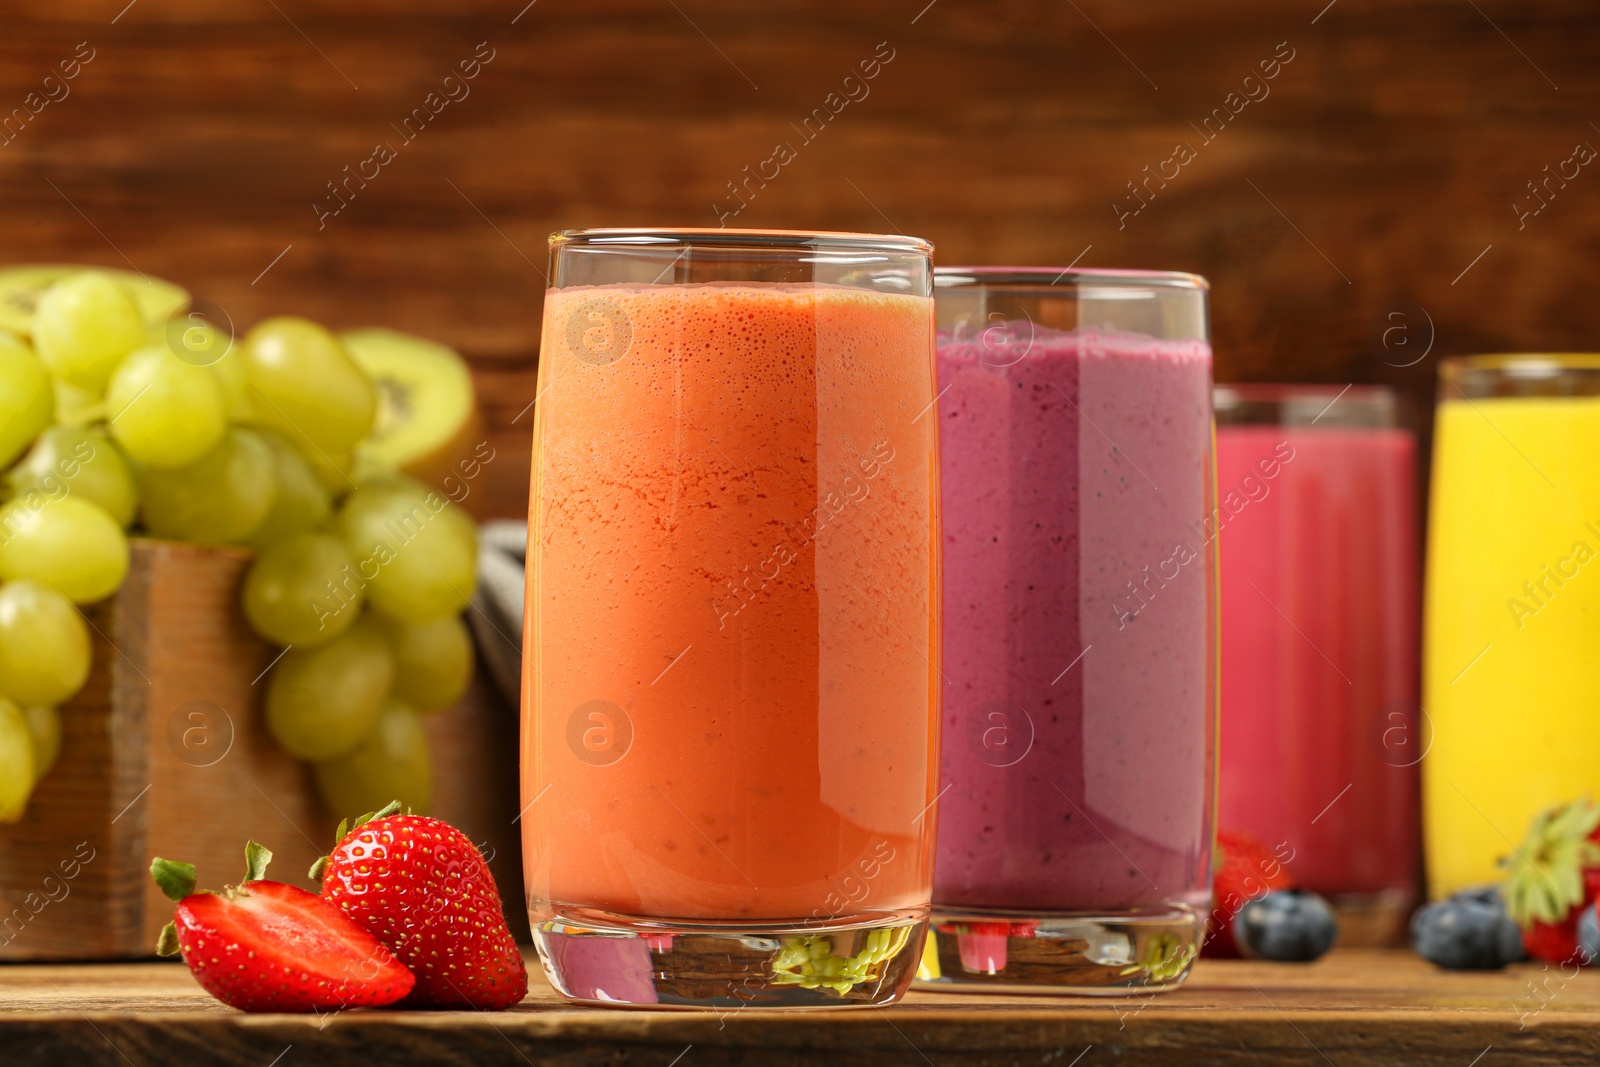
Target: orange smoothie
x=730, y=685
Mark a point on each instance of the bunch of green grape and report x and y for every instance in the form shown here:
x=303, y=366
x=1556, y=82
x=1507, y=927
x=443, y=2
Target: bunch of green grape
x=119, y=415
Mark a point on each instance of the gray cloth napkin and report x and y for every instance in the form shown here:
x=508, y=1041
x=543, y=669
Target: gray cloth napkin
x=497, y=622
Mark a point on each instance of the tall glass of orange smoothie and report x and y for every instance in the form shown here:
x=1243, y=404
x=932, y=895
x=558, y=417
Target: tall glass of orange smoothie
x=729, y=704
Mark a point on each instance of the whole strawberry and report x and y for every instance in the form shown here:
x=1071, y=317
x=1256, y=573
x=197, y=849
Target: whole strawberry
x=1246, y=870
x=267, y=946
x=1553, y=942
x=1591, y=874
x=1549, y=880
x=423, y=889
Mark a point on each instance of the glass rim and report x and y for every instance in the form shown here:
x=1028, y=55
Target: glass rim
x=1268, y=392
x=1518, y=366
x=1311, y=405
x=1068, y=277
x=733, y=238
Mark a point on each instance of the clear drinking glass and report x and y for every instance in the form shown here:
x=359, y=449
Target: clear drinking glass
x=1321, y=735
x=730, y=716
x=1511, y=648
x=1080, y=608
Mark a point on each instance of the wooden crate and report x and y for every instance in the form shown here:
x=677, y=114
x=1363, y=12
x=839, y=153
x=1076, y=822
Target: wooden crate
x=165, y=753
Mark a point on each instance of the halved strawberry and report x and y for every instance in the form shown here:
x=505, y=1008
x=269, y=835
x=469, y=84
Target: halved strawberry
x=1246, y=870
x=1548, y=885
x=424, y=890
x=267, y=946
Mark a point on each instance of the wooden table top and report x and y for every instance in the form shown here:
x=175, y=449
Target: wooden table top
x=1355, y=1007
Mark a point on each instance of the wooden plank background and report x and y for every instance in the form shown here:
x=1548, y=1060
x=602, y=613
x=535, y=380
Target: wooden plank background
x=1384, y=162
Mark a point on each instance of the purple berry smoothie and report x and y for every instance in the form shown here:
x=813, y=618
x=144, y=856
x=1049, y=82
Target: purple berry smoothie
x=1079, y=654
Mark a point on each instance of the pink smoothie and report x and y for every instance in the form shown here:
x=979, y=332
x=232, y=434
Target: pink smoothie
x=1079, y=654
x=1319, y=651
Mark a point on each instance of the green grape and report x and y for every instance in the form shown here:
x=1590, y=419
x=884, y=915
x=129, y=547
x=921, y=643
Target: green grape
x=16, y=762
x=198, y=343
x=44, y=644
x=301, y=504
x=192, y=339
x=83, y=326
x=68, y=544
x=304, y=384
x=303, y=591
x=416, y=550
x=76, y=407
x=27, y=403
x=335, y=470
x=44, y=728
x=391, y=763
x=71, y=460
x=234, y=378
x=218, y=501
x=432, y=660
x=322, y=701
x=166, y=413
x=22, y=286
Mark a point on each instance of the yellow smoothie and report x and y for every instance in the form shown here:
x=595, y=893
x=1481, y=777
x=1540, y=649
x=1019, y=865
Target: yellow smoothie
x=1511, y=679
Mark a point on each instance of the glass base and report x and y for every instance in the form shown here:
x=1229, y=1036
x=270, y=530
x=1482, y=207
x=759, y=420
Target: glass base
x=1080, y=954
x=626, y=961
x=1373, y=920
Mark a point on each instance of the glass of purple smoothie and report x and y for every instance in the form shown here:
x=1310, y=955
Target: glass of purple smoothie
x=1080, y=630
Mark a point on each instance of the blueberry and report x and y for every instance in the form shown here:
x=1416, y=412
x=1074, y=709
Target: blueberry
x=1483, y=894
x=1589, y=934
x=1287, y=925
x=1468, y=932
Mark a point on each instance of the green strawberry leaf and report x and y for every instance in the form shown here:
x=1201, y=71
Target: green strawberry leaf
x=391, y=808
x=167, y=943
x=175, y=879
x=1544, y=882
x=256, y=858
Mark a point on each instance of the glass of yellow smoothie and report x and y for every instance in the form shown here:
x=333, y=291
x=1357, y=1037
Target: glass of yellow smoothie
x=1511, y=678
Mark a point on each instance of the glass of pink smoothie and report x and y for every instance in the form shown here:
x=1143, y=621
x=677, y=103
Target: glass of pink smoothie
x=1080, y=654
x=1321, y=738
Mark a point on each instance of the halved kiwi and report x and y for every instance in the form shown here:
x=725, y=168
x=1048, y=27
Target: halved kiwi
x=21, y=287
x=427, y=419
